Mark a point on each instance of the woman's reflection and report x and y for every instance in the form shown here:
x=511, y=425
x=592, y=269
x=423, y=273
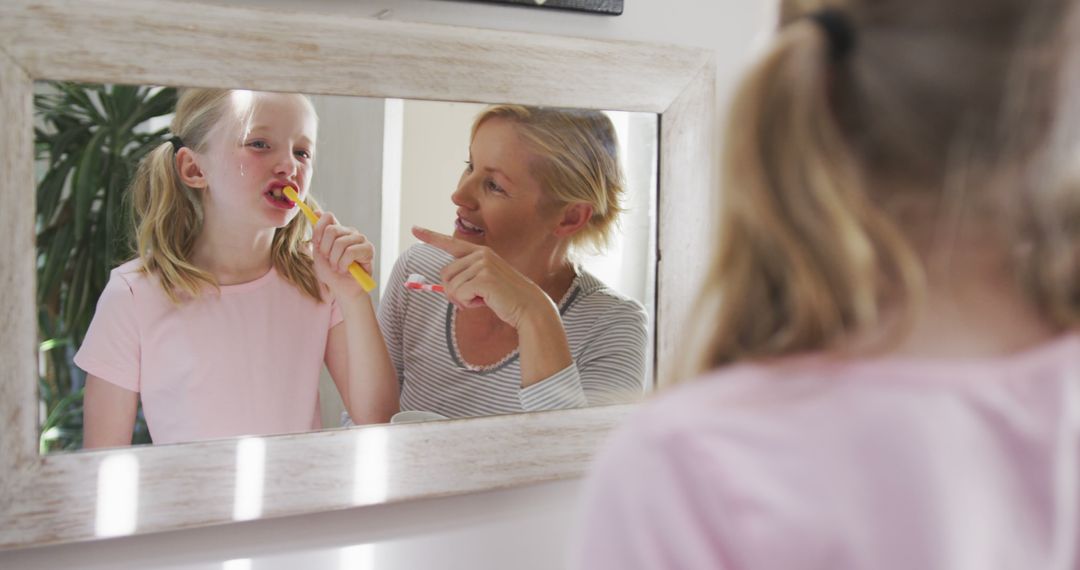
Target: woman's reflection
x=521, y=327
x=223, y=322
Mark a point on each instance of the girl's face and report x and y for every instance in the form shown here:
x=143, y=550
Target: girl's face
x=501, y=204
x=265, y=144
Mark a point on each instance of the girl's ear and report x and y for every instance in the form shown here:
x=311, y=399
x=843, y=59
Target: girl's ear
x=190, y=173
x=575, y=216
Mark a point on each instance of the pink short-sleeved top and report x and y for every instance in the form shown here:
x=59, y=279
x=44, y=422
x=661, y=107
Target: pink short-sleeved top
x=813, y=464
x=242, y=362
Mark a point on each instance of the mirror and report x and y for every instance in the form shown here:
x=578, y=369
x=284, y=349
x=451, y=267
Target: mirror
x=69, y=497
x=380, y=165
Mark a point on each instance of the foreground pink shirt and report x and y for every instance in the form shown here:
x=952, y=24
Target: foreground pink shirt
x=245, y=362
x=874, y=464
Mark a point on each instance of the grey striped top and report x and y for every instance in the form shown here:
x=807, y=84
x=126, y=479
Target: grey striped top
x=606, y=331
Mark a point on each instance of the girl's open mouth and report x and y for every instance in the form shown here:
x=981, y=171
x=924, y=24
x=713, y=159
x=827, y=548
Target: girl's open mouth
x=278, y=199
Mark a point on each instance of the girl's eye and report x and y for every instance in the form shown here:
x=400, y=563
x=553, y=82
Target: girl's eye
x=305, y=154
x=468, y=166
x=493, y=187
x=261, y=145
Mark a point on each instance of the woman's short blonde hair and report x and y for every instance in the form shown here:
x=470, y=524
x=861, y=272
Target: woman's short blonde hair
x=579, y=162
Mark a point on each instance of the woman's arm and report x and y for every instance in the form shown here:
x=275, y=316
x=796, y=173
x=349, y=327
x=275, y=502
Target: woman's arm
x=479, y=277
x=108, y=414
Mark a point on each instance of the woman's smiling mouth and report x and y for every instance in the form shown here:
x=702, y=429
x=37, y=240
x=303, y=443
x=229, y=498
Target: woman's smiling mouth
x=467, y=228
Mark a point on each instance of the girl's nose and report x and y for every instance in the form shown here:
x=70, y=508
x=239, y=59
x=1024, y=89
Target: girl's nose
x=286, y=165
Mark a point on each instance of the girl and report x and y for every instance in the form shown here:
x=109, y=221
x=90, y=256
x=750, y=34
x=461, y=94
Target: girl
x=891, y=368
x=222, y=323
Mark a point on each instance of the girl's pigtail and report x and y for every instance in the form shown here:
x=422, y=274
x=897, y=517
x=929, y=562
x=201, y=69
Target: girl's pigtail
x=168, y=217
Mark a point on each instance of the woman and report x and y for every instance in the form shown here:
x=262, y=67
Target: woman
x=521, y=327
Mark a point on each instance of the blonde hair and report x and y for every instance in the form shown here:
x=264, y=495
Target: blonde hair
x=169, y=214
x=937, y=98
x=578, y=162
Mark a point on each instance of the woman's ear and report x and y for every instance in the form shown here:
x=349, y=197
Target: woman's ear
x=575, y=216
x=188, y=168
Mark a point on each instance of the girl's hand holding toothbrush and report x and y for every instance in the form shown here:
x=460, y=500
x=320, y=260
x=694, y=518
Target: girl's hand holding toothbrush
x=334, y=248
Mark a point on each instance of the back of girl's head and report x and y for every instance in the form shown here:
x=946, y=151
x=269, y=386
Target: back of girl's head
x=169, y=214
x=832, y=155
x=578, y=161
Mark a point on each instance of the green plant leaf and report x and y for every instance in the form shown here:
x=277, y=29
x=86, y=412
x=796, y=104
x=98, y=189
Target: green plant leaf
x=56, y=261
x=87, y=134
x=87, y=180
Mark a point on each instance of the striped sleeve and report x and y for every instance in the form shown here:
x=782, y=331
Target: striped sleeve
x=609, y=370
x=560, y=390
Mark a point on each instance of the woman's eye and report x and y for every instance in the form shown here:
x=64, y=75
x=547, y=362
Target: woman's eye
x=468, y=166
x=493, y=187
x=259, y=145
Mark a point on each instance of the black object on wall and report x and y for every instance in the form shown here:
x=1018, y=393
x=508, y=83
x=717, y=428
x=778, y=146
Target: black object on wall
x=607, y=7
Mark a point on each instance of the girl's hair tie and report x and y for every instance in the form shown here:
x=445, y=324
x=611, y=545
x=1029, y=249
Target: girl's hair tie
x=839, y=32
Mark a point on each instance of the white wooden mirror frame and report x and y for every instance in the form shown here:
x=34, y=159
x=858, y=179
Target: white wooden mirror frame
x=52, y=499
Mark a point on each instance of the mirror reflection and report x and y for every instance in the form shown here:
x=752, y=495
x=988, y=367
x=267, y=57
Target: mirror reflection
x=183, y=296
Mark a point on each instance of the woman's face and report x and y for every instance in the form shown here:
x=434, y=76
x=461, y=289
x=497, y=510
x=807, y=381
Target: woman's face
x=500, y=203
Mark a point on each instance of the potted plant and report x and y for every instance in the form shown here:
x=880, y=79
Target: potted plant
x=88, y=141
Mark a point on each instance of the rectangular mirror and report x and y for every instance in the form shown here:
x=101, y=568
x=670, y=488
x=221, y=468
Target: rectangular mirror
x=96, y=494
x=380, y=165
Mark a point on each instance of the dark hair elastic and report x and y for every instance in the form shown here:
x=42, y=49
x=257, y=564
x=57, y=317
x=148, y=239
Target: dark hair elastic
x=177, y=144
x=838, y=30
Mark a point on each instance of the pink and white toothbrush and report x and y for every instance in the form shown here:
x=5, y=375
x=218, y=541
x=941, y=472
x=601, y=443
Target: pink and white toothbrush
x=417, y=281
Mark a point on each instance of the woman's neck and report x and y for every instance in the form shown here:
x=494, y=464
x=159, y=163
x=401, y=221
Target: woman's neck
x=233, y=255
x=553, y=273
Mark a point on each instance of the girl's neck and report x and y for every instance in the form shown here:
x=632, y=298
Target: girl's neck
x=974, y=305
x=233, y=255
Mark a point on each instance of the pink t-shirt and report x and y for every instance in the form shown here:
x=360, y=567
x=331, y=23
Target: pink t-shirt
x=245, y=362
x=884, y=464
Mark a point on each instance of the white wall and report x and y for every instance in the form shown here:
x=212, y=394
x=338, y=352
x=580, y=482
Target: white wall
x=521, y=529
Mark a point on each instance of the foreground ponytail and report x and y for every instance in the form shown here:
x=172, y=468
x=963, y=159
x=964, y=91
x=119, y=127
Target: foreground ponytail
x=806, y=259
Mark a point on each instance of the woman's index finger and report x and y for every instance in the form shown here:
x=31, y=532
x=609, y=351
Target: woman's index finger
x=449, y=244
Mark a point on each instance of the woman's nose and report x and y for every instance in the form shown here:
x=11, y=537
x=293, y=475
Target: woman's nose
x=463, y=195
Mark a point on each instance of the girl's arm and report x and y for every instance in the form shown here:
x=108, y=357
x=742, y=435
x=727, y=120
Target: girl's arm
x=358, y=362
x=108, y=414
x=355, y=351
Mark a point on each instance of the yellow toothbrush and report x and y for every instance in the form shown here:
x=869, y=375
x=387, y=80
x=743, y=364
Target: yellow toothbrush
x=357, y=272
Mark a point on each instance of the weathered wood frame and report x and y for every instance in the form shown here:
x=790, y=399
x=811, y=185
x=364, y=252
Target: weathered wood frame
x=52, y=499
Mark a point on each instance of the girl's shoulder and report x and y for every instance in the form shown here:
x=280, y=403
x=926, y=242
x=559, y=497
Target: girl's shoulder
x=829, y=389
x=131, y=274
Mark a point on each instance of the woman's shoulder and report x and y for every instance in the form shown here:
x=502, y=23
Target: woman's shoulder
x=425, y=260
x=590, y=295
